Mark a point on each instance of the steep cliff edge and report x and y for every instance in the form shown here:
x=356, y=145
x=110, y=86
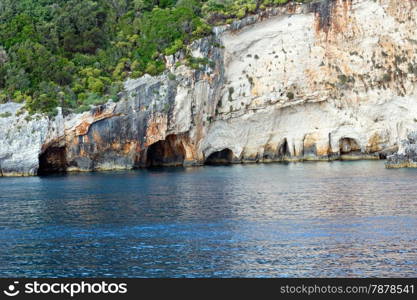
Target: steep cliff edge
x=320, y=81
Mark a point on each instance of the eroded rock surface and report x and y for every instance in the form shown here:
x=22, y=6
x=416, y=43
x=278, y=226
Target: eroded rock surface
x=407, y=154
x=320, y=81
x=21, y=139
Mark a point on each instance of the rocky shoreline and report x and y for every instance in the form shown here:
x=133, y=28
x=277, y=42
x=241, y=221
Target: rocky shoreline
x=407, y=154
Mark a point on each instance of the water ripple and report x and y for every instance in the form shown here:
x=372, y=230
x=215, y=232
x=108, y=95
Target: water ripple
x=338, y=219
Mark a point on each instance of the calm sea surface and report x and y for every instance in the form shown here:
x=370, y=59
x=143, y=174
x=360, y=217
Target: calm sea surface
x=349, y=219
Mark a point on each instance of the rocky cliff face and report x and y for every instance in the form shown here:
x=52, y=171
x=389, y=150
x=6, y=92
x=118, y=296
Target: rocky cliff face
x=320, y=81
x=406, y=157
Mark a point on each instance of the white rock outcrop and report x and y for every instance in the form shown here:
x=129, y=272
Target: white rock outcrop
x=289, y=78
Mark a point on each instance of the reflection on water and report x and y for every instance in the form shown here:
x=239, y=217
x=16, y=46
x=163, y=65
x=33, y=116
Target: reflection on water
x=272, y=220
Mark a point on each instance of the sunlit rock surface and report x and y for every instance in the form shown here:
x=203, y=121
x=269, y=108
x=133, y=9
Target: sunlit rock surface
x=320, y=81
x=407, y=154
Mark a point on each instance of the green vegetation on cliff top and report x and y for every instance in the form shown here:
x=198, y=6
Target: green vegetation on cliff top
x=76, y=53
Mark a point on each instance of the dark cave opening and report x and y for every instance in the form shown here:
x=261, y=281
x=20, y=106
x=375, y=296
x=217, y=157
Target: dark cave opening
x=52, y=160
x=348, y=146
x=382, y=155
x=168, y=152
x=284, y=150
x=223, y=157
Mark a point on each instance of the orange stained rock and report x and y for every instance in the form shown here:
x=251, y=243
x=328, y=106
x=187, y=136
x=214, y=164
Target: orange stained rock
x=84, y=126
x=82, y=129
x=374, y=143
x=156, y=129
x=129, y=146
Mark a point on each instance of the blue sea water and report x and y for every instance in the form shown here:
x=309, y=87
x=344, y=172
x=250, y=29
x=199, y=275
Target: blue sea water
x=336, y=219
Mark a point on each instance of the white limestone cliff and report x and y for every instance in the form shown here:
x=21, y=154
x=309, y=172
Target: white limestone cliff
x=321, y=81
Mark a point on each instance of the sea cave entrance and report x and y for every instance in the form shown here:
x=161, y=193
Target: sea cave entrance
x=349, y=146
x=278, y=153
x=52, y=160
x=284, y=150
x=168, y=152
x=223, y=157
